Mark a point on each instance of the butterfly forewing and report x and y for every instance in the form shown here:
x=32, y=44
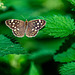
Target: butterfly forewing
x=34, y=26
x=17, y=26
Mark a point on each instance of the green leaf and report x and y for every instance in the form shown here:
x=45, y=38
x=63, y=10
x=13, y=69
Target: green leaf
x=68, y=69
x=67, y=56
x=6, y=15
x=72, y=2
x=33, y=69
x=47, y=49
x=36, y=3
x=58, y=26
x=17, y=5
x=7, y=47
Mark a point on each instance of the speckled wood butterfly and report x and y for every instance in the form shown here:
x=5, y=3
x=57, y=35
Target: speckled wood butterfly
x=19, y=27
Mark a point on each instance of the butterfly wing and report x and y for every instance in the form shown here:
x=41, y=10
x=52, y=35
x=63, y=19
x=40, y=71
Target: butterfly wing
x=34, y=26
x=17, y=26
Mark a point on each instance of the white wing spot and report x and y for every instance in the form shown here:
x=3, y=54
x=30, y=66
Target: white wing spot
x=18, y=22
x=35, y=30
x=35, y=27
x=9, y=23
x=17, y=28
x=41, y=23
x=14, y=29
x=13, y=23
x=33, y=22
x=39, y=20
x=32, y=29
x=12, y=20
x=37, y=23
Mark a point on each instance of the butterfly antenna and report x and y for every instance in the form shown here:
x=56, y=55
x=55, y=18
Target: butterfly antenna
x=23, y=16
x=26, y=19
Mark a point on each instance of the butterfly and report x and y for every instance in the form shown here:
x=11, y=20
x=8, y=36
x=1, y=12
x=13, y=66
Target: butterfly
x=19, y=27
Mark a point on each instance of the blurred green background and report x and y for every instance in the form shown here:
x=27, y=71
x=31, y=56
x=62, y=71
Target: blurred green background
x=33, y=56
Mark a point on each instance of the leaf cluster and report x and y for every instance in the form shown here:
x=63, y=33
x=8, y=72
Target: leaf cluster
x=54, y=43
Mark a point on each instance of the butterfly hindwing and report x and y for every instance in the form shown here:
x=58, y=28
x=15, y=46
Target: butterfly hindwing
x=34, y=26
x=17, y=26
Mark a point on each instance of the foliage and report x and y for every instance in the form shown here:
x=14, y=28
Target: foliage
x=67, y=56
x=58, y=24
x=50, y=49
x=33, y=69
x=72, y=1
x=7, y=47
x=68, y=69
x=47, y=50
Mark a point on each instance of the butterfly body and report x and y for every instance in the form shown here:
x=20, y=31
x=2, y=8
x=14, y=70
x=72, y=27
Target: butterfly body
x=19, y=27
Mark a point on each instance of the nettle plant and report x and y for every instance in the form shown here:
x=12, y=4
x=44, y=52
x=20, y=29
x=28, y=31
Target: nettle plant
x=57, y=26
x=62, y=47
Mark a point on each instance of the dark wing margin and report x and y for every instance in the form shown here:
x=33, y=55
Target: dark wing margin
x=17, y=26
